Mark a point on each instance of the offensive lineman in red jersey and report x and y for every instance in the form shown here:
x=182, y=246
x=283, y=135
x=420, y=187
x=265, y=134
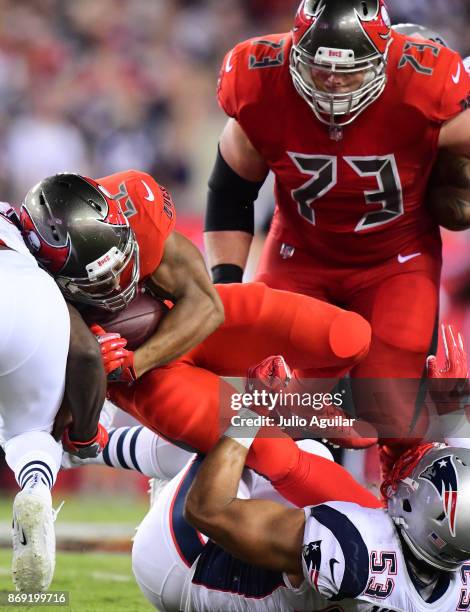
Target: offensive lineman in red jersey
x=349, y=116
x=100, y=239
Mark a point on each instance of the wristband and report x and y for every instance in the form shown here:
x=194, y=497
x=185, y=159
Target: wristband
x=236, y=431
x=226, y=273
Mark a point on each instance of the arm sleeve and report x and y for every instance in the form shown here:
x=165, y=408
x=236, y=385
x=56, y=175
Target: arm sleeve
x=335, y=557
x=455, y=96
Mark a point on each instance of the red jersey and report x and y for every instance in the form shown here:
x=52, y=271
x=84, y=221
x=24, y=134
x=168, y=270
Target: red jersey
x=150, y=211
x=357, y=200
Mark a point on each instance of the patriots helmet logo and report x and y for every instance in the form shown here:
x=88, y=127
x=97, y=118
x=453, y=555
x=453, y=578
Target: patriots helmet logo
x=311, y=553
x=443, y=477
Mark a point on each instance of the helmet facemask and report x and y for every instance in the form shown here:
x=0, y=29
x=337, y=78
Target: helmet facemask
x=79, y=233
x=106, y=276
x=340, y=37
x=337, y=109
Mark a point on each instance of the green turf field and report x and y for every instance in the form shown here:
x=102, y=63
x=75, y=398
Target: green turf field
x=91, y=509
x=96, y=583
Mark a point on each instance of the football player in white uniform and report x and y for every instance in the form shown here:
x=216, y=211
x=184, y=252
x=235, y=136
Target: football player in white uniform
x=335, y=556
x=266, y=555
x=38, y=372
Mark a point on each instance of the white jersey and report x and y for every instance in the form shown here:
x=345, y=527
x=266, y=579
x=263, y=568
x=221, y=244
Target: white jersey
x=218, y=582
x=10, y=235
x=186, y=572
x=352, y=557
x=34, y=338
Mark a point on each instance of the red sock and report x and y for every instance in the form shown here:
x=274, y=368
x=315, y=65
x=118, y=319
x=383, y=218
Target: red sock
x=303, y=478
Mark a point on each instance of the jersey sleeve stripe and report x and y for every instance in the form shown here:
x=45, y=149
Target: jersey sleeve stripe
x=217, y=570
x=185, y=537
x=356, y=572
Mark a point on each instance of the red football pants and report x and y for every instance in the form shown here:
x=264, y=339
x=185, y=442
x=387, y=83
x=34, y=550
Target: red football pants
x=184, y=400
x=399, y=298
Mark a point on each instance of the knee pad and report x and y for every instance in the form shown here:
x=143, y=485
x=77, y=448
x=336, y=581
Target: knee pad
x=350, y=336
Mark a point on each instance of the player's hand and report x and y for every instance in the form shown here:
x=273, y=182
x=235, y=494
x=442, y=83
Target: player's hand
x=117, y=360
x=87, y=449
x=272, y=374
x=448, y=384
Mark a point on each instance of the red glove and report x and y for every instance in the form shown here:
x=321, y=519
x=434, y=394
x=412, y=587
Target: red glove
x=86, y=450
x=118, y=361
x=448, y=385
x=272, y=373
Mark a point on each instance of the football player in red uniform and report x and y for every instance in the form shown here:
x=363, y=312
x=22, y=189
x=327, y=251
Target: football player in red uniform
x=100, y=239
x=349, y=116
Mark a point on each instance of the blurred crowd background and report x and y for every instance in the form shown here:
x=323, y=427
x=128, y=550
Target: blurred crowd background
x=97, y=86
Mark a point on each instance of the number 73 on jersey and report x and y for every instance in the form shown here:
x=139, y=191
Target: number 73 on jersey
x=324, y=171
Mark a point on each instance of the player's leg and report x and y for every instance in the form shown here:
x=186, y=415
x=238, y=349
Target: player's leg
x=389, y=384
x=192, y=406
x=316, y=338
x=34, y=341
x=165, y=546
x=139, y=449
x=260, y=487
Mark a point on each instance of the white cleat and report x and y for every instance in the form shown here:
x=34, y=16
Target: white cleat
x=33, y=539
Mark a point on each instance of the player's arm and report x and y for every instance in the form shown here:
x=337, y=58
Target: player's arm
x=451, y=194
x=237, y=176
x=449, y=189
x=256, y=531
x=85, y=382
x=455, y=134
x=198, y=311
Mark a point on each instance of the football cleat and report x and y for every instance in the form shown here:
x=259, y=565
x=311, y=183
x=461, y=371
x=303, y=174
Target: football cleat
x=33, y=540
x=339, y=434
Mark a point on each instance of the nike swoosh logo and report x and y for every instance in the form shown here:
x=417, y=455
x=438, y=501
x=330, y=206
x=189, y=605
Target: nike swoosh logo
x=228, y=65
x=23, y=539
x=404, y=258
x=456, y=76
x=149, y=197
x=332, y=568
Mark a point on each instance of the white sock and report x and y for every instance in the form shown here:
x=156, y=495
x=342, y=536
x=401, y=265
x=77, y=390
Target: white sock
x=36, y=469
x=138, y=448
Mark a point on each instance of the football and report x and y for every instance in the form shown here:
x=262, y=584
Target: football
x=137, y=322
x=448, y=196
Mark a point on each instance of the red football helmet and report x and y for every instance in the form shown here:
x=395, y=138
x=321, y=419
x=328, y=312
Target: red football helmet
x=80, y=235
x=349, y=38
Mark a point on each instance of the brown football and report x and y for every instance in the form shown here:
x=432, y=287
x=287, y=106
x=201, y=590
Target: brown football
x=137, y=322
x=448, y=196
